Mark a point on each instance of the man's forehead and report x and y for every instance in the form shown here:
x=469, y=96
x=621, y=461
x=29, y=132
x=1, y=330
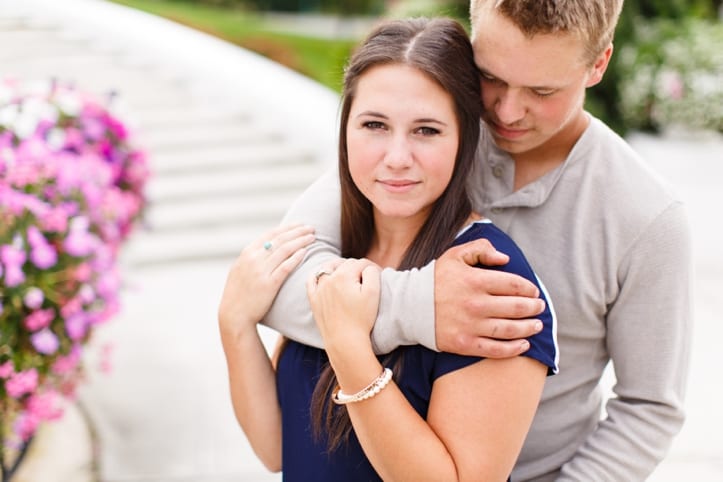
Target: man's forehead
x=542, y=61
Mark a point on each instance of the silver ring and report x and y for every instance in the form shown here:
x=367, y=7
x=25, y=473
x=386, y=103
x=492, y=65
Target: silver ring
x=320, y=273
x=268, y=245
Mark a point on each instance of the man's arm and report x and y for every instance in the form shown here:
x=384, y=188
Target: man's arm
x=477, y=308
x=649, y=335
x=318, y=206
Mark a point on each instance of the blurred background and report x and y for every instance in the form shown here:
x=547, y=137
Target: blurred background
x=235, y=104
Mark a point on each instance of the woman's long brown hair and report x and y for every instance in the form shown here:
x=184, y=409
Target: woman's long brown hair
x=440, y=49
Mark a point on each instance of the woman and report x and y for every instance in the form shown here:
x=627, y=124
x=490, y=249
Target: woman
x=408, y=133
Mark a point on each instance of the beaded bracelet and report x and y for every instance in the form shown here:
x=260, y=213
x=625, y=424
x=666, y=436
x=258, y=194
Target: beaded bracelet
x=340, y=398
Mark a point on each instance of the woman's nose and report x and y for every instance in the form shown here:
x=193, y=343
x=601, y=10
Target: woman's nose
x=399, y=152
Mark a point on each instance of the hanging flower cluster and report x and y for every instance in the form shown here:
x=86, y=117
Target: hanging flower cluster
x=71, y=191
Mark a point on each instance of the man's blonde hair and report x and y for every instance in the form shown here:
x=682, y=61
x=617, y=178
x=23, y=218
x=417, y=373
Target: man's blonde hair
x=592, y=21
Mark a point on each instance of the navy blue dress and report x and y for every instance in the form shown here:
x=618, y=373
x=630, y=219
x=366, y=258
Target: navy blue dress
x=305, y=459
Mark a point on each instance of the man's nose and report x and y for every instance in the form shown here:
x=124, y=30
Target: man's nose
x=509, y=107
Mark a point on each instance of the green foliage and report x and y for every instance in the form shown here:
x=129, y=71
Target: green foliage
x=634, y=28
x=673, y=75
x=320, y=59
x=346, y=7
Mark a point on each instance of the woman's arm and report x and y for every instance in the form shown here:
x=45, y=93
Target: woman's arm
x=477, y=421
x=251, y=285
x=478, y=415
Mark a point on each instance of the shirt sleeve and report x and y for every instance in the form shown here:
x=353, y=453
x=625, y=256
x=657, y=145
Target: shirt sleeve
x=318, y=206
x=649, y=337
x=406, y=308
x=543, y=345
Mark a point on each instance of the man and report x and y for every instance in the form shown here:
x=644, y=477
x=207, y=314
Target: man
x=608, y=238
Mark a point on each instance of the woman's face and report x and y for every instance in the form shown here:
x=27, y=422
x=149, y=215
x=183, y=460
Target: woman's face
x=402, y=140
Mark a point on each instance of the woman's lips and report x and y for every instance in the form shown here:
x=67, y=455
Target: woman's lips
x=398, y=185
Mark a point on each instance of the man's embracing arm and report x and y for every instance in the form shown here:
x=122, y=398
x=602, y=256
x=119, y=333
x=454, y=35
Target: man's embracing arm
x=477, y=311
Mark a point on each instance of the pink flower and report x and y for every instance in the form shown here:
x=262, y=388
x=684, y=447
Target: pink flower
x=43, y=405
x=93, y=129
x=21, y=383
x=25, y=426
x=13, y=258
x=34, y=298
x=45, y=341
x=73, y=138
x=71, y=188
x=66, y=364
x=83, y=272
x=71, y=307
x=86, y=293
x=80, y=242
x=55, y=220
x=39, y=319
x=42, y=254
x=6, y=369
x=76, y=326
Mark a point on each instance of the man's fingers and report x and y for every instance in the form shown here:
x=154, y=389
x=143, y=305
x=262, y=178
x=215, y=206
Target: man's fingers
x=480, y=251
x=508, y=307
x=503, y=337
x=501, y=329
x=501, y=283
x=498, y=349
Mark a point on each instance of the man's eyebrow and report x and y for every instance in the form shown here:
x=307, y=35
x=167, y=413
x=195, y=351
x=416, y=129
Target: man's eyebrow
x=485, y=72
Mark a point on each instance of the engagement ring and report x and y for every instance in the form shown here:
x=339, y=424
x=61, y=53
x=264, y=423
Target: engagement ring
x=320, y=273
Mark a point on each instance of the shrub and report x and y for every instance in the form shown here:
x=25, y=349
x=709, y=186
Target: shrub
x=672, y=76
x=71, y=190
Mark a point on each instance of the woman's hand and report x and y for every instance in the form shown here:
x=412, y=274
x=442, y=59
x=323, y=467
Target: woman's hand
x=257, y=274
x=344, y=299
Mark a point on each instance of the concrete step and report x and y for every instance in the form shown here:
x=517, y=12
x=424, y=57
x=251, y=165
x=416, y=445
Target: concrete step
x=157, y=249
x=203, y=134
x=201, y=213
x=229, y=158
x=184, y=115
x=222, y=184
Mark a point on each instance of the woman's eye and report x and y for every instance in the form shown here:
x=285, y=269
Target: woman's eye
x=428, y=131
x=373, y=125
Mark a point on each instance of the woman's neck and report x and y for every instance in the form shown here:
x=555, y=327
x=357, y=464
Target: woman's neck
x=392, y=238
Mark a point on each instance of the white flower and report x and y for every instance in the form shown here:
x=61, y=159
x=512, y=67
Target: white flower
x=8, y=114
x=69, y=103
x=56, y=139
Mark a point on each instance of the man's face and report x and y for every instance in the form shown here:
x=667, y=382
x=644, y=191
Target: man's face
x=533, y=89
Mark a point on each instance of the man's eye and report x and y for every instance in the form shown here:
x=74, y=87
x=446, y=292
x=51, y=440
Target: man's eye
x=543, y=93
x=488, y=77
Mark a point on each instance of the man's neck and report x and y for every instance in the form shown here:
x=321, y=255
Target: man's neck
x=535, y=163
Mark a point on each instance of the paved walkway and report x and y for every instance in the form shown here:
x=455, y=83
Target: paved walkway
x=233, y=139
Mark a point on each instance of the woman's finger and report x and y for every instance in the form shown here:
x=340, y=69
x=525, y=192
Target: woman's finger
x=273, y=238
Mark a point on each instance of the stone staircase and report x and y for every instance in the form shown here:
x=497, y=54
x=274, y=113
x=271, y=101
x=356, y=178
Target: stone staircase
x=231, y=143
x=219, y=178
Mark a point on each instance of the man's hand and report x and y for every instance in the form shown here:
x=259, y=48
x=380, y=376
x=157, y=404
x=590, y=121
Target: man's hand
x=479, y=311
